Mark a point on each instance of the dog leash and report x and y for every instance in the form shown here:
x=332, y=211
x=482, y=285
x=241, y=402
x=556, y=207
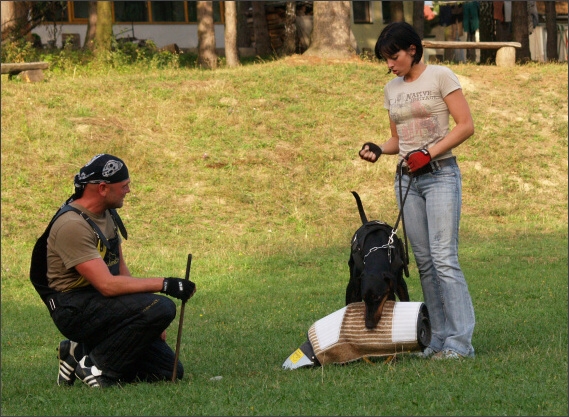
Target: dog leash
x=401, y=216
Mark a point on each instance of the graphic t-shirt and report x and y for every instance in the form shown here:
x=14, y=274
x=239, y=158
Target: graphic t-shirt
x=418, y=108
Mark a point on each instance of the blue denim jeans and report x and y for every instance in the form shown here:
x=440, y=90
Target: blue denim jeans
x=431, y=219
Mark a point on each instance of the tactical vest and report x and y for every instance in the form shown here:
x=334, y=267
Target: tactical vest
x=38, y=266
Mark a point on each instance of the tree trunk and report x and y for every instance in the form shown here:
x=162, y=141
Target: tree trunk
x=332, y=35
x=231, y=53
x=8, y=17
x=14, y=20
x=104, y=30
x=243, y=33
x=207, y=57
x=486, y=18
x=91, y=27
x=289, y=44
x=419, y=18
x=396, y=11
x=520, y=30
x=261, y=29
x=551, y=28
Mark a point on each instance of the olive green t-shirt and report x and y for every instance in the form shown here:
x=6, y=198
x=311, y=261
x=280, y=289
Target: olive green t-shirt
x=71, y=242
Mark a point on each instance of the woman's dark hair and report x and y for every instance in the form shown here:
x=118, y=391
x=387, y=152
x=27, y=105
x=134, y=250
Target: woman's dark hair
x=398, y=36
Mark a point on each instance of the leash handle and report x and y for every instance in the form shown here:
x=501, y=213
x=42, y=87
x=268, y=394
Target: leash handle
x=177, y=355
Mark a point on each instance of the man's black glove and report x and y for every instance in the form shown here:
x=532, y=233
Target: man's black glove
x=178, y=288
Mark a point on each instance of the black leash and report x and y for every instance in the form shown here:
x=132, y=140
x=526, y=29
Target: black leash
x=401, y=216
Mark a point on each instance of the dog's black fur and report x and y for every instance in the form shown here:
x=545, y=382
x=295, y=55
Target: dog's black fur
x=376, y=267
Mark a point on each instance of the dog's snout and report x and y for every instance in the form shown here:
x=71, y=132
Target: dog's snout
x=374, y=308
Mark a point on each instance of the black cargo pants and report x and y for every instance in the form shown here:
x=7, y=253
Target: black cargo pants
x=121, y=334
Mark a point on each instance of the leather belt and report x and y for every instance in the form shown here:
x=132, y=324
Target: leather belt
x=430, y=167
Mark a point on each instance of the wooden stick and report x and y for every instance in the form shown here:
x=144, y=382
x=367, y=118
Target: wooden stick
x=175, y=371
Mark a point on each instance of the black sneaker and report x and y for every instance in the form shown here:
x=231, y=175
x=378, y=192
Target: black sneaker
x=67, y=362
x=87, y=372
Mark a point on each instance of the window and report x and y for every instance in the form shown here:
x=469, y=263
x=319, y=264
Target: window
x=217, y=11
x=79, y=10
x=134, y=11
x=361, y=11
x=56, y=11
x=168, y=11
x=130, y=11
x=192, y=11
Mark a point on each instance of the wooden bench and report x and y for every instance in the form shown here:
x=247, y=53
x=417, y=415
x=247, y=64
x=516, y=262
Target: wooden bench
x=505, y=56
x=28, y=71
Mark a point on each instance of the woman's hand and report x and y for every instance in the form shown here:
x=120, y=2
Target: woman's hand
x=370, y=152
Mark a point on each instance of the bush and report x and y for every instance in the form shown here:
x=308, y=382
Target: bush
x=122, y=56
x=19, y=51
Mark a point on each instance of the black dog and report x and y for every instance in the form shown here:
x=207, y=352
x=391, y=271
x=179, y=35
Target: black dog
x=377, y=262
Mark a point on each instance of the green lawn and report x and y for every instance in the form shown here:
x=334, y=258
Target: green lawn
x=250, y=170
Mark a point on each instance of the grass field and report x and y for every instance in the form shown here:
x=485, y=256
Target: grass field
x=250, y=170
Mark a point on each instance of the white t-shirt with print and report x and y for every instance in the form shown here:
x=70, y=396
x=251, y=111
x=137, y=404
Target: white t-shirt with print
x=418, y=108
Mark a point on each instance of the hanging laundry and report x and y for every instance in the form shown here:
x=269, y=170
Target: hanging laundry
x=470, y=17
x=507, y=11
x=498, y=10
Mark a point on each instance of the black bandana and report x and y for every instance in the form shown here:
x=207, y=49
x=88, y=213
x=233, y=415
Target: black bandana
x=102, y=168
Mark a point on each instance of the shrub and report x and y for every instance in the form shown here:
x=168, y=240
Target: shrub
x=19, y=51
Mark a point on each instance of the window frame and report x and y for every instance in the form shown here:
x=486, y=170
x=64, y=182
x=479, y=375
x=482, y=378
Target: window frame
x=123, y=22
x=71, y=16
x=72, y=19
x=151, y=14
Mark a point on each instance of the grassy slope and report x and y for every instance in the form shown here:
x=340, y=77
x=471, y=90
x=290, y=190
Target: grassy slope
x=250, y=170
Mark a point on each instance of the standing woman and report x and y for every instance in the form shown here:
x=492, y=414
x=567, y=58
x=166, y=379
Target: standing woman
x=419, y=101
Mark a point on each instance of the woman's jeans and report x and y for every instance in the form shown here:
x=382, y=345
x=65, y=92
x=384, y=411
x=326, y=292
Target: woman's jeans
x=431, y=219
